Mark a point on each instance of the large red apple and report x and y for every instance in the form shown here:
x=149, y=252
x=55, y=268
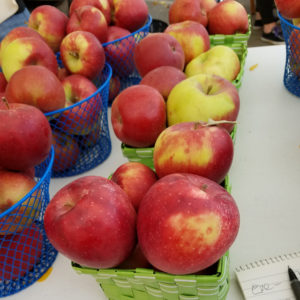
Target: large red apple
x=186, y=223
x=92, y=222
x=138, y=115
x=25, y=136
x=135, y=179
x=196, y=148
x=37, y=86
x=288, y=8
x=156, y=50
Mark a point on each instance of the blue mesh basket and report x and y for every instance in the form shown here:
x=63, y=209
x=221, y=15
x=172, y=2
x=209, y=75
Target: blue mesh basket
x=291, y=35
x=25, y=252
x=80, y=132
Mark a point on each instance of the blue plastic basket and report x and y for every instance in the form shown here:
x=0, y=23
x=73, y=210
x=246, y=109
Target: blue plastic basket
x=25, y=252
x=81, y=133
x=291, y=35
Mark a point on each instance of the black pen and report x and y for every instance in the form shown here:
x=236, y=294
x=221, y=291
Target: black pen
x=295, y=283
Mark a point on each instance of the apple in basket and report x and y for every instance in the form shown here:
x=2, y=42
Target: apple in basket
x=138, y=115
x=114, y=88
x=192, y=147
x=288, y=8
x=208, y=5
x=203, y=97
x=37, y=86
x=3, y=83
x=186, y=223
x=25, y=136
x=92, y=222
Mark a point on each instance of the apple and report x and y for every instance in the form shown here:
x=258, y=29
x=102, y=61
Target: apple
x=296, y=21
x=228, y=17
x=62, y=73
x=3, y=83
x=82, y=53
x=183, y=10
x=138, y=115
x=219, y=60
x=114, y=88
x=25, y=136
x=203, y=97
x=192, y=147
x=14, y=186
x=50, y=23
x=192, y=36
x=88, y=18
x=102, y=5
x=163, y=79
x=119, y=50
x=92, y=222
x=93, y=138
x=135, y=179
x=294, y=56
x=20, y=252
x=186, y=223
x=66, y=151
x=288, y=8
x=156, y=50
x=24, y=52
x=38, y=86
x=129, y=14
x=207, y=5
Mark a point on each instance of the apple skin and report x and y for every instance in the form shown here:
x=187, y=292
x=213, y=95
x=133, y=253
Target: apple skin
x=156, y=50
x=288, y=8
x=102, y=5
x=82, y=53
x=219, y=60
x=135, y=179
x=192, y=36
x=228, y=17
x=203, y=97
x=103, y=221
x=88, y=18
x=27, y=51
x=114, y=88
x=3, y=83
x=296, y=21
x=208, y=5
x=20, y=252
x=183, y=10
x=138, y=115
x=129, y=14
x=186, y=223
x=50, y=23
x=13, y=187
x=25, y=136
x=163, y=79
x=192, y=147
x=37, y=86
x=294, y=57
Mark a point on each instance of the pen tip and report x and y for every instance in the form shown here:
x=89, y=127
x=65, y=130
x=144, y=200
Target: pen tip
x=292, y=275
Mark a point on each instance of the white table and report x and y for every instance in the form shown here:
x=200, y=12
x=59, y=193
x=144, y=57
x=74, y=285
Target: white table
x=265, y=178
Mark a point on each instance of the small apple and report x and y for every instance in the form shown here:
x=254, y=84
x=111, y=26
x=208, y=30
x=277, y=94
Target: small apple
x=92, y=222
x=156, y=50
x=88, y=18
x=219, y=60
x=3, y=83
x=82, y=53
x=288, y=8
x=186, y=223
x=25, y=136
x=135, y=179
x=163, y=79
x=37, y=86
x=114, y=88
x=203, y=97
x=138, y=115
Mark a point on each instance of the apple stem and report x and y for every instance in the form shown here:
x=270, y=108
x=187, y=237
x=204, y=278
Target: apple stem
x=5, y=102
x=74, y=54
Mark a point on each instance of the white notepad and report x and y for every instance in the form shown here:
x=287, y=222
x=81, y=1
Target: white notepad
x=267, y=279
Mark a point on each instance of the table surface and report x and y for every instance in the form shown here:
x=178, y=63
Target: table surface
x=264, y=176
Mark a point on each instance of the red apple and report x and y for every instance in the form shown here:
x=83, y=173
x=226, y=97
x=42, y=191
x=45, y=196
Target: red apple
x=138, y=115
x=135, y=179
x=163, y=79
x=129, y=14
x=88, y=18
x=92, y=222
x=186, y=223
x=196, y=148
x=207, y=5
x=288, y=8
x=62, y=73
x=103, y=5
x=20, y=252
x=37, y=86
x=3, y=83
x=25, y=136
x=82, y=53
x=156, y=50
x=294, y=57
x=114, y=88
x=228, y=17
